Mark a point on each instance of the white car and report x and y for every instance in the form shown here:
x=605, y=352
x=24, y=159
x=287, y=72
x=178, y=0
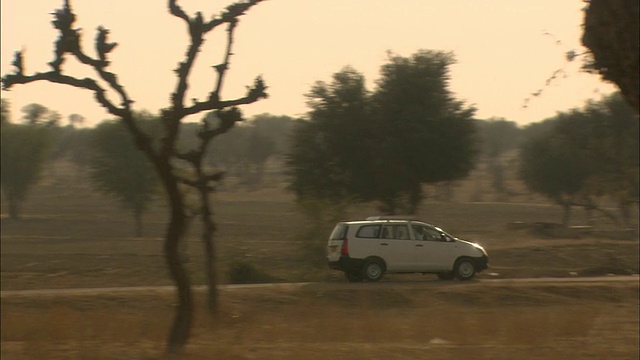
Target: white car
x=367, y=249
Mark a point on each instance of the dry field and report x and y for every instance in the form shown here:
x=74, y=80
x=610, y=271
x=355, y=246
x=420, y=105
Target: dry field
x=72, y=237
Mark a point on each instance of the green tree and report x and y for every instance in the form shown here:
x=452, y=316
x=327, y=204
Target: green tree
x=167, y=159
x=426, y=136
x=611, y=35
x=550, y=165
x=608, y=135
x=588, y=154
x=383, y=147
x=118, y=169
x=23, y=154
x=331, y=151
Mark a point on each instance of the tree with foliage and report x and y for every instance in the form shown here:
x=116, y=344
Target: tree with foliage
x=611, y=35
x=589, y=153
x=168, y=161
x=426, y=135
x=551, y=166
x=118, y=169
x=497, y=136
x=607, y=133
x=5, y=115
x=34, y=113
x=331, y=151
x=76, y=120
x=244, y=152
x=277, y=128
x=22, y=156
x=384, y=146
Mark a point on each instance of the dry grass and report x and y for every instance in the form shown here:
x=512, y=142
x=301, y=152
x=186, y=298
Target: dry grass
x=363, y=321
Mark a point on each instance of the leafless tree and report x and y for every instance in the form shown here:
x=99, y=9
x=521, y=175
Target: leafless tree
x=165, y=156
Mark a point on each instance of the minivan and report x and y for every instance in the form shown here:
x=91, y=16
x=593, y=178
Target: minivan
x=368, y=249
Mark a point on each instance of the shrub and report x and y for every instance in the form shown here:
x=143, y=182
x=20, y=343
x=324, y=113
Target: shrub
x=242, y=272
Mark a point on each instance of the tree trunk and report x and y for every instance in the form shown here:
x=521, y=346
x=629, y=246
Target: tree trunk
x=210, y=253
x=181, y=328
x=211, y=272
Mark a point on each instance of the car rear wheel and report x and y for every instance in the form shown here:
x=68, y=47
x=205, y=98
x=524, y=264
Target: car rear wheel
x=373, y=270
x=465, y=269
x=353, y=276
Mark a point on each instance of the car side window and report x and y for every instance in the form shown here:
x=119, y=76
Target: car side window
x=398, y=232
x=401, y=232
x=426, y=233
x=369, y=231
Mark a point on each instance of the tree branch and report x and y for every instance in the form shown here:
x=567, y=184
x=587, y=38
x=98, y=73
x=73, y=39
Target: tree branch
x=17, y=78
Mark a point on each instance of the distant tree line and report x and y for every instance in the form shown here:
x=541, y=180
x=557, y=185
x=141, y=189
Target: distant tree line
x=584, y=158
x=107, y=157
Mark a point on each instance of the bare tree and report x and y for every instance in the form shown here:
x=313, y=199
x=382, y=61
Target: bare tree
x=163, y=154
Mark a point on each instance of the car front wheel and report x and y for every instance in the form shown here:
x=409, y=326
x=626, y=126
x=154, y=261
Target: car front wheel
x=373, y=270
x=465, y=269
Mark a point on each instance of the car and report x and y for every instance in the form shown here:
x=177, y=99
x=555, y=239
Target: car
x=365, y=250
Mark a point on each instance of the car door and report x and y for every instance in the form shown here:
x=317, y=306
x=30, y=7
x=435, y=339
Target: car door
x=396, y=247
x=432, y=251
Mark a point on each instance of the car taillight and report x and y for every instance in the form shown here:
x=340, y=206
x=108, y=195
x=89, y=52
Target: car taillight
x=345, y=247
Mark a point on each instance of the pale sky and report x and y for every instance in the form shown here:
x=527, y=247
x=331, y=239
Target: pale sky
x=505, y=50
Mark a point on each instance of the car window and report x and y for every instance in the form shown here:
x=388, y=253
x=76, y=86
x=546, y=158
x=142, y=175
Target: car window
x=369, y=231
x=339, y=232
x=426, y=233
x=396, y=231
x=401, y=232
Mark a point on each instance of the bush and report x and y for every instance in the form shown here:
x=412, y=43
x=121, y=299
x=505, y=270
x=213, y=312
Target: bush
x=242, y=272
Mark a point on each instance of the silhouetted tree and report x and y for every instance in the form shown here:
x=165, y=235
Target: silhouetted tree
x=118, y=169
x=162, y=155
x=611, y=35
x=76, y=120
x=34, y=113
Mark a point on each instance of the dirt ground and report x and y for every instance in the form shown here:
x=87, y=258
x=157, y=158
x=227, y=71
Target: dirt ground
x=71, y=237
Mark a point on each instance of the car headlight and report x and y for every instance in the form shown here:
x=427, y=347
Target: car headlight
x=477, y=246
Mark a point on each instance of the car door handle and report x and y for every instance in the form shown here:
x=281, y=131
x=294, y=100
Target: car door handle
x=419, y=245
x=384, y=244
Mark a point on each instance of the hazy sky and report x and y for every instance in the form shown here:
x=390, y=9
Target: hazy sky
x=505, y=50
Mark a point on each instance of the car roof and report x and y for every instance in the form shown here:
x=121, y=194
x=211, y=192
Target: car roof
x=389, y=221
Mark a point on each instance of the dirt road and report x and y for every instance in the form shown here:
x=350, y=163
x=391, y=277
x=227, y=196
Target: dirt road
x=597, y=280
